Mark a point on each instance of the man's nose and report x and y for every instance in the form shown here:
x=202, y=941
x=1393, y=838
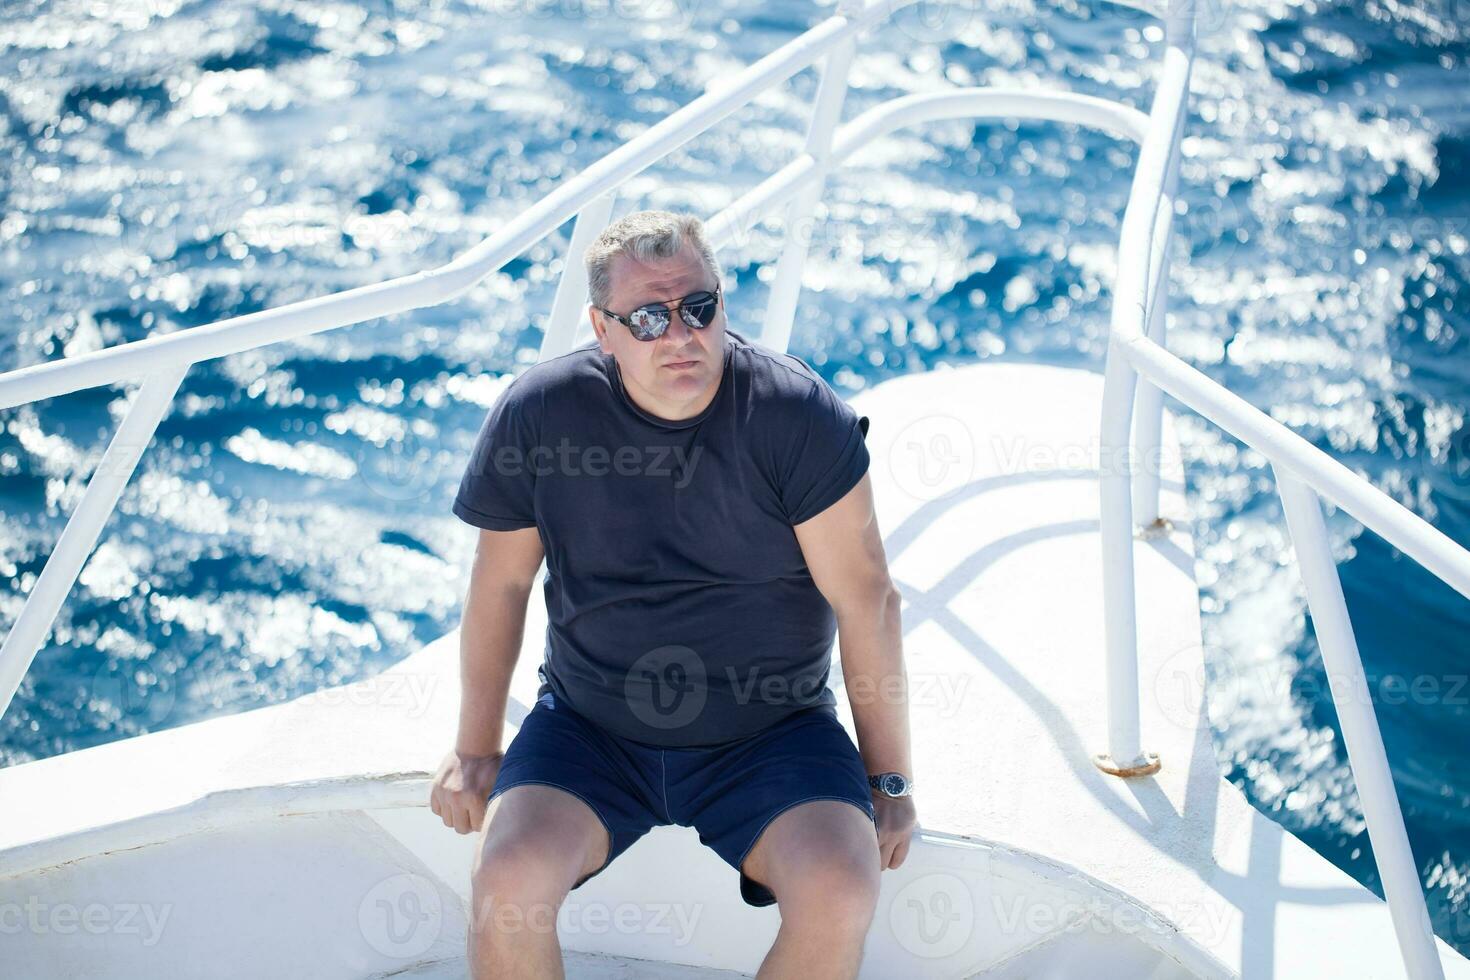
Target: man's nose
x=678, y=332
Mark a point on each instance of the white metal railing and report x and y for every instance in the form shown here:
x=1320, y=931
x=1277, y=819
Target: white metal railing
x=1135, y=351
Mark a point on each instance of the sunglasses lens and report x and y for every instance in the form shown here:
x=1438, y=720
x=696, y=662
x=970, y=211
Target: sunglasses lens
x=650, y=323
x=698, y=310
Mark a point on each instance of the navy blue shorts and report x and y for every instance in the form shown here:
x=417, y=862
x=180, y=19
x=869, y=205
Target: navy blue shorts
x=729, y=793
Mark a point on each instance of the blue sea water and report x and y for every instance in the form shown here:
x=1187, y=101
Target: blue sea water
x=170, y=163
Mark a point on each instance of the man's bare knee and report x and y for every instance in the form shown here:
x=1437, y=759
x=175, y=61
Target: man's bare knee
x=537, y=842
x=821, y=861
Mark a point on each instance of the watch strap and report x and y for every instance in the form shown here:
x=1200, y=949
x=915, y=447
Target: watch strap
x=877, y=782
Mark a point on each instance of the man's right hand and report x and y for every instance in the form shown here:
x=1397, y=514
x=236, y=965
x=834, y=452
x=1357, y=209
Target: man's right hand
x=461, y=787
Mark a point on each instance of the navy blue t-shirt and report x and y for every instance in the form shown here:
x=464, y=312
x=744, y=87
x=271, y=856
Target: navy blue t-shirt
x=680, y=611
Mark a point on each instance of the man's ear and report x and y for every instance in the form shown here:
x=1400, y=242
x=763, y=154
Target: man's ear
x=597, y=330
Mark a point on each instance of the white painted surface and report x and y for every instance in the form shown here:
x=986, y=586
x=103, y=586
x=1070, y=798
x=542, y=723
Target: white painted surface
x=998, y=561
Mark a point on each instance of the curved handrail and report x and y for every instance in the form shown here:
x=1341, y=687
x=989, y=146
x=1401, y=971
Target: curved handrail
x=428, y=288
x=912, y=110
x=1390, y=520
x=1131, y=354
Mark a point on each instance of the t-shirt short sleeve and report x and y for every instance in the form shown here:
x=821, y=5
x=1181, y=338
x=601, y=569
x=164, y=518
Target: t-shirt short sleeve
x=827, y=456
x=498, y=490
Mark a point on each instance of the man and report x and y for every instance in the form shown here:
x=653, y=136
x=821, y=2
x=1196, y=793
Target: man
x=707, y=521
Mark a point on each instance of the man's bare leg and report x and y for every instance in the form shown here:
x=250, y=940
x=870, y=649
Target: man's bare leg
x=820, y=859
x=536, y=843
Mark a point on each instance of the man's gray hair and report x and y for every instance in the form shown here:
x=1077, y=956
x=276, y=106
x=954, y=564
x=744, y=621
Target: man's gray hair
x=644, y=236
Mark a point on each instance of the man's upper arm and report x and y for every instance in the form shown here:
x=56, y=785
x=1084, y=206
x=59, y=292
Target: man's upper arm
x=844, y=551
x=507, y=560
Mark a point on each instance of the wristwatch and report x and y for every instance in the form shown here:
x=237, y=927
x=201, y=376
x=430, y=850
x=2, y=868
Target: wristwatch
x=894, y=785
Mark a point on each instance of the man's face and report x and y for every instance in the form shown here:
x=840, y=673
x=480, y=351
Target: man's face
x=646, y=366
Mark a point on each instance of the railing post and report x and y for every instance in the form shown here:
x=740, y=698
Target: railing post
x=1366, y=756
x=1125, y=755
x=1148, y=422
x=569, y=308
x=79, y=536
x=826, y=111
x=1131, y=304
x=1179, y=27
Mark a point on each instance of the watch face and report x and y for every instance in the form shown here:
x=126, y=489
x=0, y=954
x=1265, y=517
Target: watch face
x=893, y=784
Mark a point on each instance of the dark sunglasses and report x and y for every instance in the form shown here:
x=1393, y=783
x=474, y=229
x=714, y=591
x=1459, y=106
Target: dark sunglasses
x=649, y=322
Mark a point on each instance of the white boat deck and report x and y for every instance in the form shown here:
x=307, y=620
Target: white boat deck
x=1002, y=581
x=997, y=556
x=587, y=966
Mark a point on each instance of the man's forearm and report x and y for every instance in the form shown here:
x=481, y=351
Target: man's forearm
x=490, y=634
x=870, y=640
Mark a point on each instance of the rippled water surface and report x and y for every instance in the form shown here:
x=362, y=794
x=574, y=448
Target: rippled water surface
x=168, y=164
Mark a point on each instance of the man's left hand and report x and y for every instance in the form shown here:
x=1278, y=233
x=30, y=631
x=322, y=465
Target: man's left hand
x=896, y=820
